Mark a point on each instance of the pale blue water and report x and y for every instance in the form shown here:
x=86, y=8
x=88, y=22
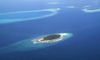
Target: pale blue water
x=84, y=45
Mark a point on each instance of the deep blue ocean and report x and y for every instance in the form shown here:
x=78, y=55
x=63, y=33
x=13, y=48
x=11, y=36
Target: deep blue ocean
x=85, y=27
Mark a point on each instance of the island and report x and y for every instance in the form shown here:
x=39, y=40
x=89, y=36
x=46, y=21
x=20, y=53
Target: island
x=51, y=37
x=91, y=10
x=42, y=41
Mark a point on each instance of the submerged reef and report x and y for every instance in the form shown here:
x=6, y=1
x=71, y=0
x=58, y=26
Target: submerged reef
x=18, y=16
x=36, y=43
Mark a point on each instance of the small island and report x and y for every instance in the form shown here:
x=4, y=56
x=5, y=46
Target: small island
x=91, y=10
x=51, y=37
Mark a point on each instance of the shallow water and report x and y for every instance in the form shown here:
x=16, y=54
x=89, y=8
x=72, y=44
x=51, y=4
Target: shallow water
x=18, y=16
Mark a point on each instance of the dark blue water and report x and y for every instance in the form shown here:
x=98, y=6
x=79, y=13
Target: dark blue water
x=84, y=45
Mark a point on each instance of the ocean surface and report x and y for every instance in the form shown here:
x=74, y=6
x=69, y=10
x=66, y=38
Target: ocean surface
x=69, y=18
